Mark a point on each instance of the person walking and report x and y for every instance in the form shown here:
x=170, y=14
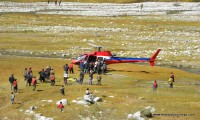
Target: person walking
x=62, y=90
x=34, y=82
x=155, y=86
x=81, y=77
x=61, y=106
x=15, y=85
x=12, y=98
x=11, y=80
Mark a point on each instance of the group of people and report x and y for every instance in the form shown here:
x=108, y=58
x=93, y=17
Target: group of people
x=97, y=67
x=91, y=73
x=171, y=81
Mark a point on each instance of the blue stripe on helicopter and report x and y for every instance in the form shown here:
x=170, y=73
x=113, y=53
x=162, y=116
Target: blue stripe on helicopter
x=126, y=59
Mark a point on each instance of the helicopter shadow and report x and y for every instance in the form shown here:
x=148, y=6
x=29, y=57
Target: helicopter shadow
x=113, y=70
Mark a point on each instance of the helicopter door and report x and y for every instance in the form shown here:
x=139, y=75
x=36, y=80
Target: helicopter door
x=92, y=58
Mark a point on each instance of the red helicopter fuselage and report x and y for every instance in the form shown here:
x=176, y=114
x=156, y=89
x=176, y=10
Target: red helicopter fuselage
x=108, y=58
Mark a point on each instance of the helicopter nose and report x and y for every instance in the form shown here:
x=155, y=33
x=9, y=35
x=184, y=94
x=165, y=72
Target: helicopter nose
x=73, y=61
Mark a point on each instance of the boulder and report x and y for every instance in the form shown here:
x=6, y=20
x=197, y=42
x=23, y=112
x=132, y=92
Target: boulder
x=87, y=98
x=83, y=102
x=64, y=102
x=97, y=99
x=146, y=113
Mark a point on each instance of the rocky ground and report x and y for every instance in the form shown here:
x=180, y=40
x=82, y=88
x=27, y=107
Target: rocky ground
x=107, y=9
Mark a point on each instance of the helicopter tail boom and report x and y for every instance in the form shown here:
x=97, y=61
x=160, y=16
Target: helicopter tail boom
x=153, y=57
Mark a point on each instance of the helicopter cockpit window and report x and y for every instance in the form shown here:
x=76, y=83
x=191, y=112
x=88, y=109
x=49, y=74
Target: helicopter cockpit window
x=100, y=58
x=81, y=57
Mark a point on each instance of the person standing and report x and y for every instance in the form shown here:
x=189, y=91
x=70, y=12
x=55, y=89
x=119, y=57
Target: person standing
x=34, y=82
x=61, y=106
x=172, y=76
x=66, y=68
x=52, y=78
x=155, y=86
x=42, y=76
x=11, y=80
x=99, y=80
x=81, y=77
x=90, y=77
x=25, y=73
x=86, y=67
x=104, y=68
x=170, y=82
x=71, y=69
x=12, y=98
x=29, y=79
x=15, y=85
x=62, y=90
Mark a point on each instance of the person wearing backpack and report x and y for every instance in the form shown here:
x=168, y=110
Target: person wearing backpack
x=155, y=86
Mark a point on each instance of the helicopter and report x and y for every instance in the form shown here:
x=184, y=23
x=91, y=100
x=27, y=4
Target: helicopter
x=108, y=58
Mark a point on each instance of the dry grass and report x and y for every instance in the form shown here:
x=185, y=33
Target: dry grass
x=126, y=83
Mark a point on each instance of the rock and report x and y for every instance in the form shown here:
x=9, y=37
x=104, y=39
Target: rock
x=137, y=116
x=130, y=116
x=49, y=118
x=50, y=100
x=88, y=99
x=41, y=118
x=74, y=101
x=83, y=102
x=97, y=99
x=64, y=102
x=146, y=113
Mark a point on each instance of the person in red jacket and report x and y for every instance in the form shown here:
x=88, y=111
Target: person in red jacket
x=71, y=69
x=61, y=106
x=15, y=85
x=34, y=82
x=155, y=86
